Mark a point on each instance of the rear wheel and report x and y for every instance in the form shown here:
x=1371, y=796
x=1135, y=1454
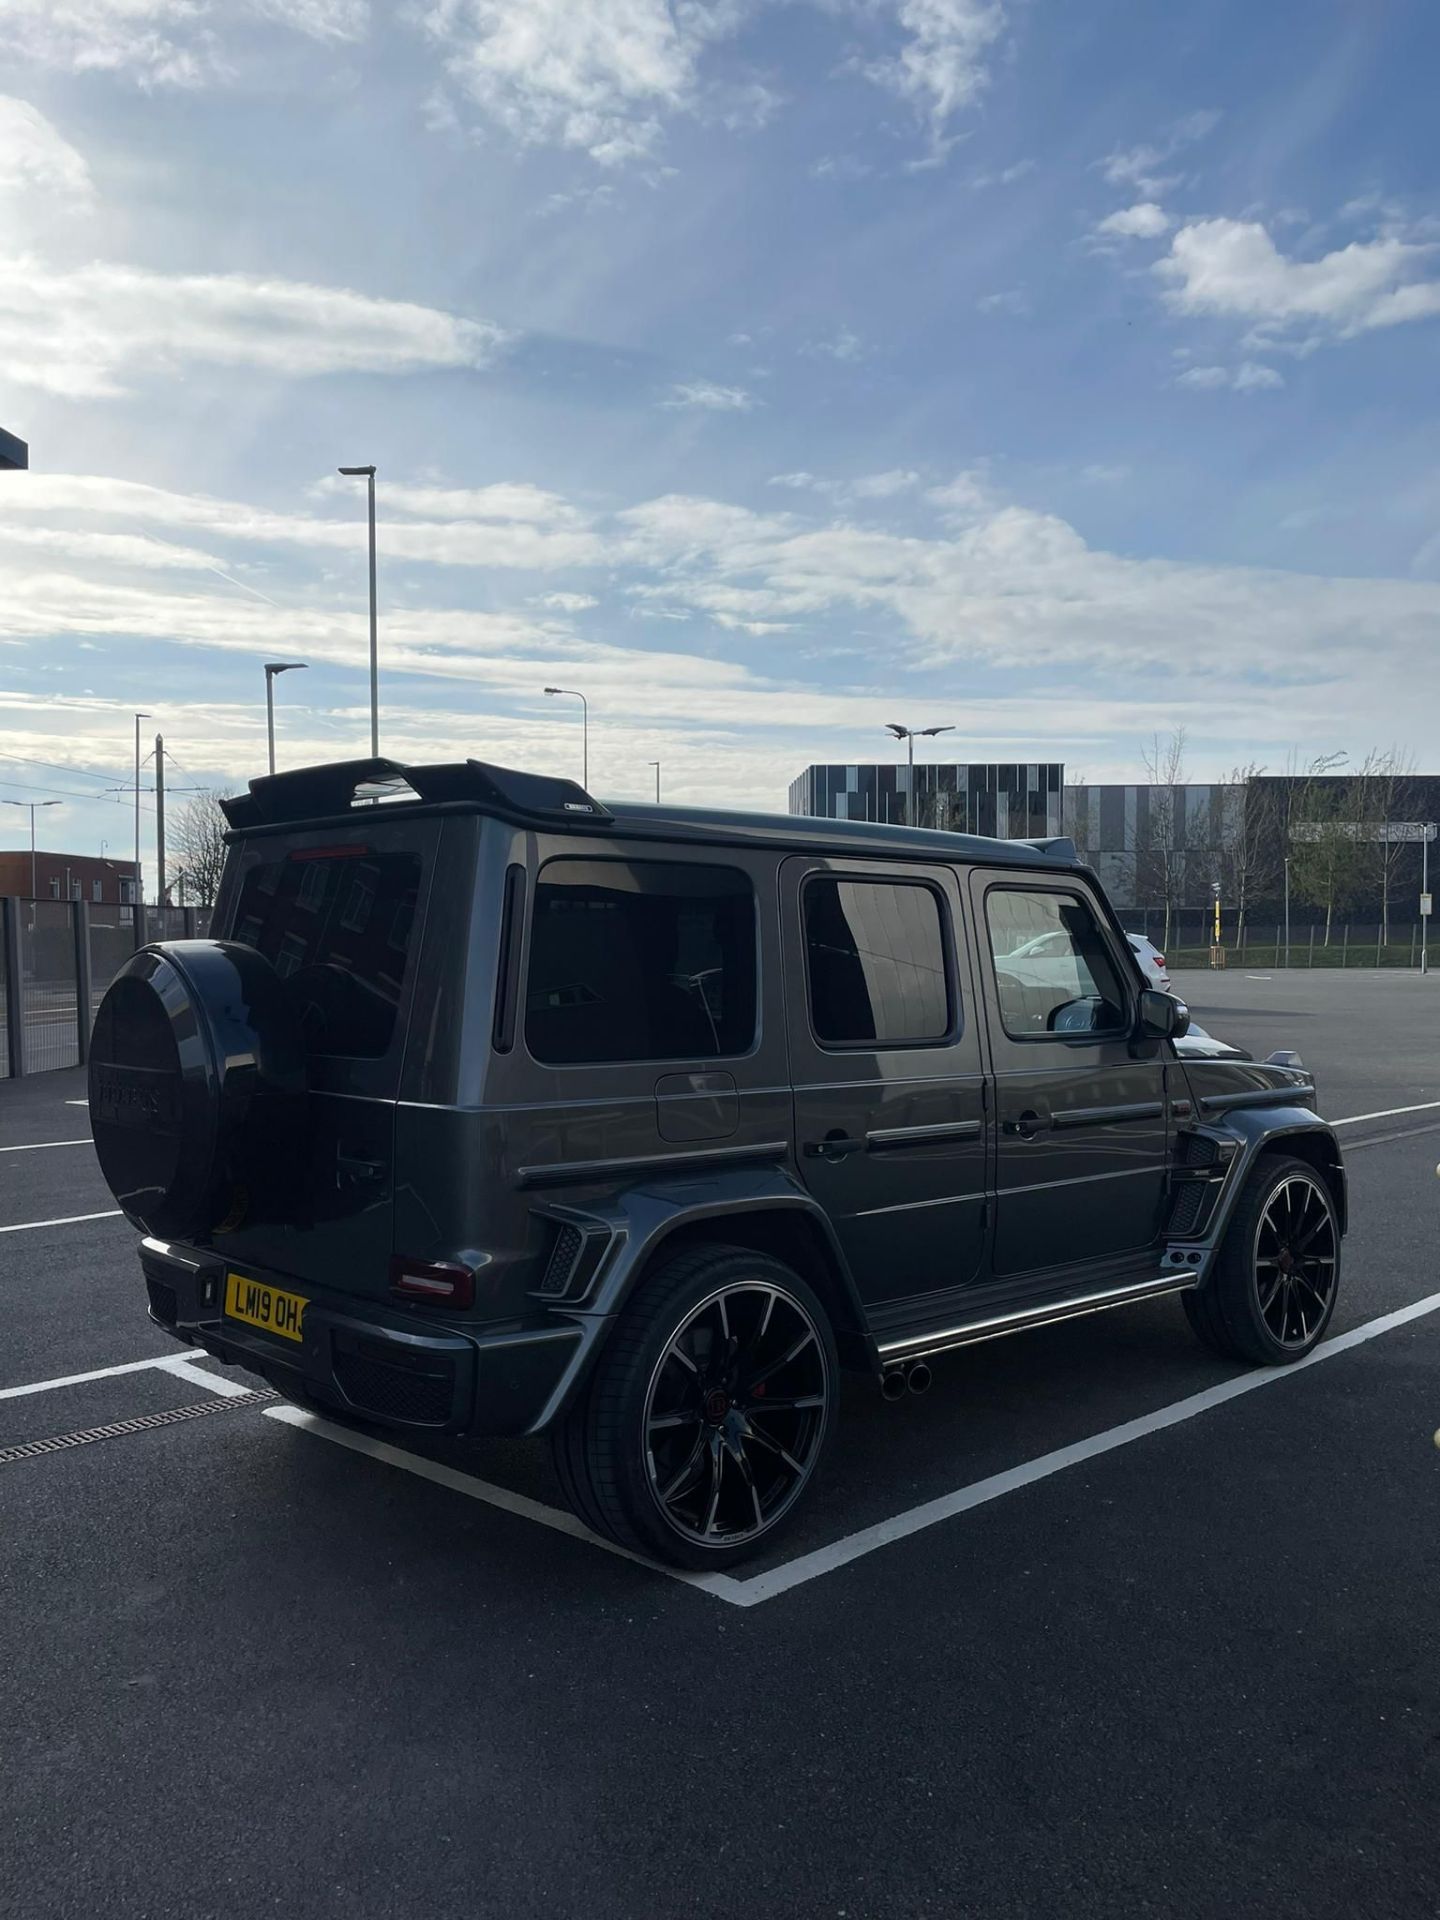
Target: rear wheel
x=705, y=1419
x=1273, y=1289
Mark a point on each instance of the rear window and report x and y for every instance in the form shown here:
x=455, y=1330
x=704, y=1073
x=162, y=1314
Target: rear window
x=337, y=928
x=640, y=961
x=875, y=954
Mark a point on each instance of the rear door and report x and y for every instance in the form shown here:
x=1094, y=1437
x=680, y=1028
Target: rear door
x=1081, y=1149
x=338, y=913
x=888, y=1085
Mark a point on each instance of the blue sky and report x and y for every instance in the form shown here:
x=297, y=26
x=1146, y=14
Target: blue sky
x=768, y=371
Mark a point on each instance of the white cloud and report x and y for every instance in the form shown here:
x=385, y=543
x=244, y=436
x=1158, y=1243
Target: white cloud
x=35, y=159
x=840, y=166
x=1249, y=377
x=793, y=480
x=1143, y=221
x=1137, y=166
x=884, y=486
x=567, y=602
x=158, y=42
x=1006, y=177
x=1233, y=268
x=601, y=77
x=941, y=67
x=709, y=397
x=842, y=345
x=86, y=332
x=1011, y=300
x=510, y=500
x=1097, y=474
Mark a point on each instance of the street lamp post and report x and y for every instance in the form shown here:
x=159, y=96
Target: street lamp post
x=910, y=735
x=272, y=667
x=34, y=806
x=571, y=693
x=139, y=889
x=369, y=474
x=656, y=765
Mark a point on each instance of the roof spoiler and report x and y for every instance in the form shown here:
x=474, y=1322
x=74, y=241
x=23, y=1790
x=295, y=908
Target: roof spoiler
x=317, y=793
x=1058, y=845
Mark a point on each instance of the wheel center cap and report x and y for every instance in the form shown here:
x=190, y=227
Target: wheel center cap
x=717, y=1405
x=1286, y=1262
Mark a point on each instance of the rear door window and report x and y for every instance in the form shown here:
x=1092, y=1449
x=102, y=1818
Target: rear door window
x=875, y=960
x=642, y=960
x=338, y=926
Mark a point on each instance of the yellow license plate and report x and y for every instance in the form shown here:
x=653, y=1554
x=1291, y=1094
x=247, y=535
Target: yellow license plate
x=269, y=1308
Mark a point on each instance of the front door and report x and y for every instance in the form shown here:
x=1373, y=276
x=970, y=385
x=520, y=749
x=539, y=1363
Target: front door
x=1081, y=1149
x=885, y=1062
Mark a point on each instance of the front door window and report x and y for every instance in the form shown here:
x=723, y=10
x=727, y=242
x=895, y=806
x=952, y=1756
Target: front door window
x=1053, y=970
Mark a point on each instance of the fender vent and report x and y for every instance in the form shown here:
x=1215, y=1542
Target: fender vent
x=1186, y=1211
x=1196, y=1150
x=560, y=1267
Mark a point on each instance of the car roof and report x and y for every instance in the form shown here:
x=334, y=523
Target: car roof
x=337, y=792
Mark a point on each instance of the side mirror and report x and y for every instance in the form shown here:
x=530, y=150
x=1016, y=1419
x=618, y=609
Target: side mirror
x=1162, y=1016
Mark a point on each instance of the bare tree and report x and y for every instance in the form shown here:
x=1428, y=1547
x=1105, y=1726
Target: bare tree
x=1327, y=854
x=1385, y=790
x=197, y=846
x=1249, y=839
x=1165, y=768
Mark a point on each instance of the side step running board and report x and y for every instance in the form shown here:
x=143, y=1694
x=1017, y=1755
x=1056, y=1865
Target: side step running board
x=914, y=1346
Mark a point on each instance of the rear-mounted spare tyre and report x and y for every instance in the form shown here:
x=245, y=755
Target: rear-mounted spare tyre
x=197, y=1089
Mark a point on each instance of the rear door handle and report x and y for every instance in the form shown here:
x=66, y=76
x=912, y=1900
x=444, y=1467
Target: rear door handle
x=835, y=1147
x=1026, y=1125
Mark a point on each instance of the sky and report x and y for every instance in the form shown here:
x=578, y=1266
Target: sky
x=768, y=370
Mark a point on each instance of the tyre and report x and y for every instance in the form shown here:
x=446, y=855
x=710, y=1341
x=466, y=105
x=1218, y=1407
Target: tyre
x=704, y=1420
x=1272, y=1291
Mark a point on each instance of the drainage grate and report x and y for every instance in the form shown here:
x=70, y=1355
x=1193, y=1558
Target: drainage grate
x=117, y=1429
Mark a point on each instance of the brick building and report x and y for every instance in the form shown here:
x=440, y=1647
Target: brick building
x=68, y=876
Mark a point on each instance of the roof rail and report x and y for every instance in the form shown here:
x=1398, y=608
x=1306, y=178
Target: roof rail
x=310, y=793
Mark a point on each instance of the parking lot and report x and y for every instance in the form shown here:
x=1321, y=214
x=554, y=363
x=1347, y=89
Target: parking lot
x=1101, y=1625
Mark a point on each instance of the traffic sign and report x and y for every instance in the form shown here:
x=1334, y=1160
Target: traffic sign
x=1425, y=900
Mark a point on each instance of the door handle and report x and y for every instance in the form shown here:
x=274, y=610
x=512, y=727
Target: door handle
x=834, y=1147
x=1026, y=1125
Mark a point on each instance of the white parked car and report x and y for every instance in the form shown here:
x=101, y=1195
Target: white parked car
x=1152, y=961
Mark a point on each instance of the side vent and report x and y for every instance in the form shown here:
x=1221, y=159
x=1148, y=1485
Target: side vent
x=555, y=1281
x=576, y=1250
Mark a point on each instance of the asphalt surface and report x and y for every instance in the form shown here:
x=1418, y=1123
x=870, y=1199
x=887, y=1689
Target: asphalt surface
x=248, y=1670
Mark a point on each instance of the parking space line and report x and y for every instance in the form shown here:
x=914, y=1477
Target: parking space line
x=65, y=1220
x=82, y=1379
x=810, y=1566
x=813, y=1566
x=185, y=1369
x=1386, y=1113
x=39, y=1146
x=719, y=1584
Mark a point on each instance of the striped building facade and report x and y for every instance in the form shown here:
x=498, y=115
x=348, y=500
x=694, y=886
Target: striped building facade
x=1018, y=801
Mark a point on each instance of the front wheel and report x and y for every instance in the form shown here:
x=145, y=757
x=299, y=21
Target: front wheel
x=1273, y=1288
x=703, y=1424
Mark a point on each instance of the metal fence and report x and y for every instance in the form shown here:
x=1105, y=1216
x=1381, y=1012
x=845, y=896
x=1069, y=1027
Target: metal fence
x=57, y=957
x=1351, y=943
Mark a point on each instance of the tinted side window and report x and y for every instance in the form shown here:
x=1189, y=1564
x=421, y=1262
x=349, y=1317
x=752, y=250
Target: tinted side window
x=337, y=930
x=875, y=954
x=640, y=961
x=1053, y=969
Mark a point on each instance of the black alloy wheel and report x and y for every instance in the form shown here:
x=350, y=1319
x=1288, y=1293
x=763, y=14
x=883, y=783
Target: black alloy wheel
x=735, y=1414
x=1273, y=1288
x=1296, y=1260
x=704, y=1421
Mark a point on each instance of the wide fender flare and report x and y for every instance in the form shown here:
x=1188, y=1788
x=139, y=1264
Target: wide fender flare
x=643, y=1218
x=1256, y=1130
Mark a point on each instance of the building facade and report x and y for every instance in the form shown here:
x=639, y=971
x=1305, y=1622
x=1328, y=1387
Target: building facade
x=68, y=876
x=1007, y=801
x=1150, y=843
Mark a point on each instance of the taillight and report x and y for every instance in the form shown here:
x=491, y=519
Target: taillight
x=330, y=853
x=442, y=1282
x=1159, y=959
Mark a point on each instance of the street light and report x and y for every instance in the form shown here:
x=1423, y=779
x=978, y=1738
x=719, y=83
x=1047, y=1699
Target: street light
x=139, y=890
x=656, y=765
x=272, y=667
x=369, y=474
x=34, y=806
x=571, y=693
x=910, y=735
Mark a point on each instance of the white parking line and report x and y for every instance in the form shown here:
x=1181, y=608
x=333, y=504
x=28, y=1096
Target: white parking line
x=720, y=1584
x=37, y=1146
x=812, y=1566
x=1385, y=1113
x=160, y=1362
x=65, y=1220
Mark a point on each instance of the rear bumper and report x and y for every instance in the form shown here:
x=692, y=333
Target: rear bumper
x=384, y=1366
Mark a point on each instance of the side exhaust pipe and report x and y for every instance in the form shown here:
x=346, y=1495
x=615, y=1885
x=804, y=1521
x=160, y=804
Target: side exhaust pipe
x=918, y=1378
x=892, y=1384
x=911, y=1377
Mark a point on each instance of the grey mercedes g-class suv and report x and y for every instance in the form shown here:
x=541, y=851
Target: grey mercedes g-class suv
x=490, y=1109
